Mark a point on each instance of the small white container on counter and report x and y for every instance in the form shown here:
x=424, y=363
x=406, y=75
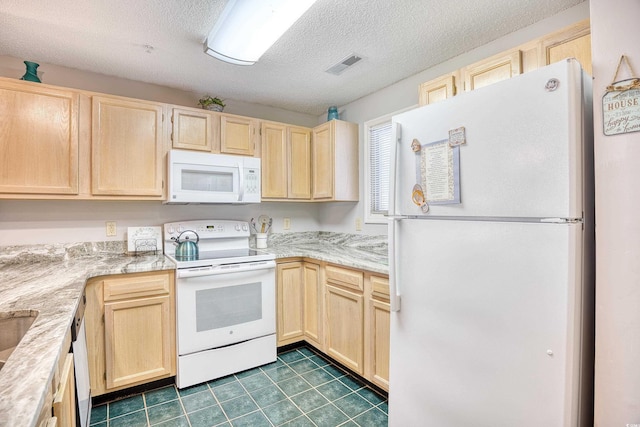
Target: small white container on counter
x=261, y=240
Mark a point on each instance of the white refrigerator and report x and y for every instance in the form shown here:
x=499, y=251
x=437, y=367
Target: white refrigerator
x=492, y=287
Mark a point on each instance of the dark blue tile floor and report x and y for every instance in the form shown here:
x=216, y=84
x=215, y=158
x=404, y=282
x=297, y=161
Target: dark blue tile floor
x=300, y=389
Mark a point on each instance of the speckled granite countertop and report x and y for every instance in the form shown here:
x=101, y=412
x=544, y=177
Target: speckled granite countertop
x=49, y=279
x=359, y=251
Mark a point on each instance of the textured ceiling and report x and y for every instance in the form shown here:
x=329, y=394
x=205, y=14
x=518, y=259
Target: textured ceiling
x=161, y=41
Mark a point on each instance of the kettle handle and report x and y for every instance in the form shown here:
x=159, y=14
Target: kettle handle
x=187, y=231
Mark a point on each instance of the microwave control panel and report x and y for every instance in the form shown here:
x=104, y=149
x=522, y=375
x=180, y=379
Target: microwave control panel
x=252, y=180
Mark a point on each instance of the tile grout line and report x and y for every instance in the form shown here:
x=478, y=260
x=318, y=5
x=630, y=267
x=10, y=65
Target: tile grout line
x=184, y=410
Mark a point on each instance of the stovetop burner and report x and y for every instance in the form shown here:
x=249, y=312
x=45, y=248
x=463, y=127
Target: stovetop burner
x=220, y=242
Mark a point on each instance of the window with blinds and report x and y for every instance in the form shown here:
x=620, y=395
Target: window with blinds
x=377, y=157
x=379, y=152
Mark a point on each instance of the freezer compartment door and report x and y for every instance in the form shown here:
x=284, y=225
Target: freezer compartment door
x=523, y=155
x=490, y=328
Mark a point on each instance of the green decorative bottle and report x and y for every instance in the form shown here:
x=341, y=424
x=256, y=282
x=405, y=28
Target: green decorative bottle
x=32, y=72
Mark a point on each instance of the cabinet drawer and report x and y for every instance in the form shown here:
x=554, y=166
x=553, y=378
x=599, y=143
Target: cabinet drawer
x=341, y=276
x=380, y=287
x=136, y=286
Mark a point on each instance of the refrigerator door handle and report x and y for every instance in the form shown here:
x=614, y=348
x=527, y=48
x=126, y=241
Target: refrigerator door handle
x=394, y=291
x=396, y=137
x=394, y=294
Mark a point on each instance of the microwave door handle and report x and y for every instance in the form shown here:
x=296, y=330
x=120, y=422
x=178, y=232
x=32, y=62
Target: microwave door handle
x=241, y=181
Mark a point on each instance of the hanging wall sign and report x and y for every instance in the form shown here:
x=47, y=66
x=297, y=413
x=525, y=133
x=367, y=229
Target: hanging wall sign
x=621, y=105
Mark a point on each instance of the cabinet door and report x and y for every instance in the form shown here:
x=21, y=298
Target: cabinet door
x=437, y=90
x=38, y=139
x=192, y=129
x=237, y=135
x=322, y=161
x=137, y=340
x=289, y=303
x=379, y=331
x=572, y=42
x=299, y=163
x=64, y=402
x=492, y=70
x=127, y=147
x=274, y=160
x=344, y=334
x=313, y=307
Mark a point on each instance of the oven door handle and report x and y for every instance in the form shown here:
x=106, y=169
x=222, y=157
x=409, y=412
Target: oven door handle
x=224, y=269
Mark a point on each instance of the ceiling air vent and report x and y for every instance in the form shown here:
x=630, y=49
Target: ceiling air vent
x=344, y=64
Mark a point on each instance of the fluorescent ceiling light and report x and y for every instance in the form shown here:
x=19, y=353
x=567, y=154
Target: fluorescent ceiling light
x=247, y=28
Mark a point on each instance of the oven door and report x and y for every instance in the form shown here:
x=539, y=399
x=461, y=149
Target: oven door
x=222, y=305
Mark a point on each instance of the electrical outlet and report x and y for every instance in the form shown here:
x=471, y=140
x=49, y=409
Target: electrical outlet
x=111, y=228
x=358, y=224
x=286, y=224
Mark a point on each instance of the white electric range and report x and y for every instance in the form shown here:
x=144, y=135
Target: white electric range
x=225, y=301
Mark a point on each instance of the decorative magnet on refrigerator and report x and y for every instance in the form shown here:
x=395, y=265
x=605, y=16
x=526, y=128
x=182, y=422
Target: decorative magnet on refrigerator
x=415, y=145
x=457, y=136
x=417, y=195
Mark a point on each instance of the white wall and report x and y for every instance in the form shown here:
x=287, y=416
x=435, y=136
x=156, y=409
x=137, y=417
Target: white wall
x=615, y=31
x=36, y=222
x=404, y=94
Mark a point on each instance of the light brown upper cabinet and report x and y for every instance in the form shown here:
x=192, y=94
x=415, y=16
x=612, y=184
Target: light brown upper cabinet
x=492, y=70
x=437, y=89
x=38, y=139
x=286, y=161
x=127, y=147
x=572, y=42
x=238, y=134
x=192, y=129
x=334, y=161
x=299, y=148
x=275, y=162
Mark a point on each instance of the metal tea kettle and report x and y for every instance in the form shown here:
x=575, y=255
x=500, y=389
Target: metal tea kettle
x=187, y=249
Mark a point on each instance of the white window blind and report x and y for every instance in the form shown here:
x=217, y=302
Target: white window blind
x=379, y=153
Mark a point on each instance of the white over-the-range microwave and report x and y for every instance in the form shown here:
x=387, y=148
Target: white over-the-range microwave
x=197, y=177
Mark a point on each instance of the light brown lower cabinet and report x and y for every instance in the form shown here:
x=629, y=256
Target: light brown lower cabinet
x=299, y=303
x=313, y=304
x=64, y=402
x=345, y=323
x=60, y=398
x=342, y=312
x=377, y=331
x=130, y=322
x=290, y=290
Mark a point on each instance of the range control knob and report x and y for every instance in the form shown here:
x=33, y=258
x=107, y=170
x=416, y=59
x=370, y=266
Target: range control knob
x=237, y=227
x=244, y=227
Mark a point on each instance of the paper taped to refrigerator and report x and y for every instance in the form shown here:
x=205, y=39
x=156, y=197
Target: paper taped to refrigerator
x=438, y=170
